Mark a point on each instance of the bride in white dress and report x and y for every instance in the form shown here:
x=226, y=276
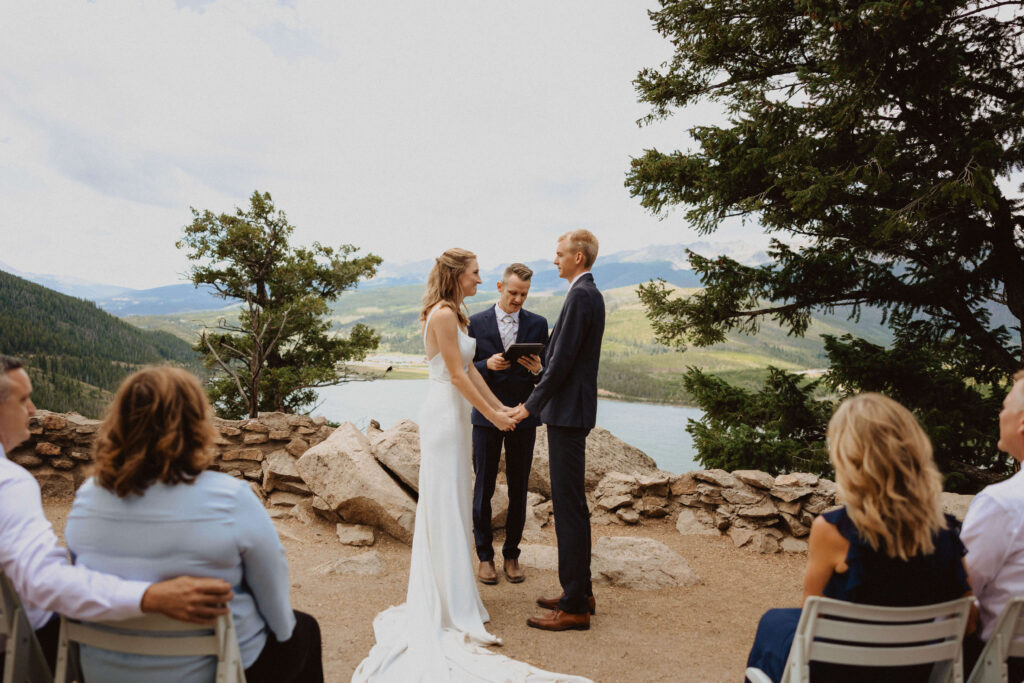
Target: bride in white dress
x=438, y=634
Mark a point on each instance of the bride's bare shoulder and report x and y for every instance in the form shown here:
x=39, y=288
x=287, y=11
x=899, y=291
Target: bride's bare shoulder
x=443, y=314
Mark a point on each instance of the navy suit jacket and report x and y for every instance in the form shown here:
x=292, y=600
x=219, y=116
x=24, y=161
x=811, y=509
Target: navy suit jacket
x=566, y=395
x=511, y=386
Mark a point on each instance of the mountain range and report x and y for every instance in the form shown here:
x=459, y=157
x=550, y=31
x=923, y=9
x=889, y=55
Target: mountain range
x=619, y=269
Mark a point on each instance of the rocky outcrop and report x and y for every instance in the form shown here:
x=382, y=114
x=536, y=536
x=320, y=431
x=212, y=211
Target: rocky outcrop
x=605, y=453
x=398, y=450
x=343, y=471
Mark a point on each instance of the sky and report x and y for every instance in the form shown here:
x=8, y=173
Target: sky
x=401, y=127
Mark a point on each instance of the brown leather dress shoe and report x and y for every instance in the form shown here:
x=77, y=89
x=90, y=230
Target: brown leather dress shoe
x=487, y=573
x=560, y=621
x=513, y=572
x=552, y=603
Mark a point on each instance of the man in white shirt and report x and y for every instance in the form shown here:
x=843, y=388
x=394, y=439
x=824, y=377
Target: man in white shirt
x=38, y=567
x=993, y=532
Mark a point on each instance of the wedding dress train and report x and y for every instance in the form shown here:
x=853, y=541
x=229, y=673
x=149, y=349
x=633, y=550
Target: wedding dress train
x=438, y=634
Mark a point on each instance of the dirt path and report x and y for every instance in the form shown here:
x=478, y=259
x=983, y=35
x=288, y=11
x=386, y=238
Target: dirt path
x=698, y=633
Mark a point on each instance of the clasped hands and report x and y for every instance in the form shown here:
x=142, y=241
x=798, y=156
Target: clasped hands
x=516, y=414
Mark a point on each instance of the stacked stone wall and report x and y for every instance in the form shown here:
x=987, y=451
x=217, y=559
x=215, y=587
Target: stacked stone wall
x=372, y=479
x=261, y=450
x=755, y=509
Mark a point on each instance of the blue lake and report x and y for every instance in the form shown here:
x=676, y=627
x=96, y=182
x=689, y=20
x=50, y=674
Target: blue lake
x=658, y=430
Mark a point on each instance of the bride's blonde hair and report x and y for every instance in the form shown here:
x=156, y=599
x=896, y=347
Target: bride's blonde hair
x=886, y=475
x=443, y=284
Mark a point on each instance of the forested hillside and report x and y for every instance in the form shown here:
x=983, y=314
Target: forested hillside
x=77, y=352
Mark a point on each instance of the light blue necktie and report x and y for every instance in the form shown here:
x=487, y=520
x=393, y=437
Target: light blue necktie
x=508, y=331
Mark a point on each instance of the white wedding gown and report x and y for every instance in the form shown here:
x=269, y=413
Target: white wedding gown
x=438, y=634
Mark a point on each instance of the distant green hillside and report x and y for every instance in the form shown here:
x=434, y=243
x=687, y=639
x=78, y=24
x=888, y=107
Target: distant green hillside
x=633, y=365
x=78, y=353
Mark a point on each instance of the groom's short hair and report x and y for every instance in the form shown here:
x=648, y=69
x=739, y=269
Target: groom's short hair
x=582, y=241
x=520, y=270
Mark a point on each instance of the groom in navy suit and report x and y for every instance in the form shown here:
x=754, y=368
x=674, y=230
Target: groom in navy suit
x=495, y=329
x=566, y=400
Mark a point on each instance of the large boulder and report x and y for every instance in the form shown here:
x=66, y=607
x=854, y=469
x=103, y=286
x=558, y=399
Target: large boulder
x=499, y=506
x=398, y=449
x=605, y=453
x=343, y=471
x=639, y=563
x=538, y=556
x=626, y=561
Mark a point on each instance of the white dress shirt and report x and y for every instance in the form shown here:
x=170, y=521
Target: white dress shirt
x=38, y=567
x=215, y=527
x=508, y=325
x=993, y=532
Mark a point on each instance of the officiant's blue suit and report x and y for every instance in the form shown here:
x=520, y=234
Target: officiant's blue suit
x=511, y=387
x=566, y=400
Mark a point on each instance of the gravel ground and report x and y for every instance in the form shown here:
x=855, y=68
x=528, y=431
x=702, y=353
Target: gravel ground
x=696, y=633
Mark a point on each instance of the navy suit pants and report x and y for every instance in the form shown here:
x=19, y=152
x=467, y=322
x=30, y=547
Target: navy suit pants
x=487, y=443
x=567, y=448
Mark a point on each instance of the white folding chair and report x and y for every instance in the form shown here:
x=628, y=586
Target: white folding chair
x=865, y=635
x=218, y=640
x=1002, y=644
x=23, y=657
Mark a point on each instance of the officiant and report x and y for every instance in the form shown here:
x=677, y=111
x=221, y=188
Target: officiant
x=496, y=329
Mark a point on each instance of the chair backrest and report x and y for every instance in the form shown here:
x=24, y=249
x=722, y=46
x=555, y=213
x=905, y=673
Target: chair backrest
x=23, y=657
x=1002, y=644
x=866, y=635
x=153, y=634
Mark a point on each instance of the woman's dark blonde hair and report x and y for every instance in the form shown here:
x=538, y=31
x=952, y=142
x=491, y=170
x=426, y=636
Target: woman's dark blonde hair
x=443, y=284
x=157, y=429
x=886, y=475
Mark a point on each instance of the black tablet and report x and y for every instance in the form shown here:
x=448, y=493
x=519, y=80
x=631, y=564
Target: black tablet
x=517, y=351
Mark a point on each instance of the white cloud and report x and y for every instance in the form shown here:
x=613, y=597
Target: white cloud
x=401, y=127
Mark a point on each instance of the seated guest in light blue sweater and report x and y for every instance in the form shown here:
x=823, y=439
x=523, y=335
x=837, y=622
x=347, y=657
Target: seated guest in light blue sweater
x=152, y=511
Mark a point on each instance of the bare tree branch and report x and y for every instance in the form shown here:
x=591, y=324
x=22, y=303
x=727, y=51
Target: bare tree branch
x=225, y=366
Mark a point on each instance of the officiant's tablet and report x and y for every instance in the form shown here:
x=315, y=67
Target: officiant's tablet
x=517, y=351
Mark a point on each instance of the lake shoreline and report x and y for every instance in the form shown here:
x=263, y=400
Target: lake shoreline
x=420, y=372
